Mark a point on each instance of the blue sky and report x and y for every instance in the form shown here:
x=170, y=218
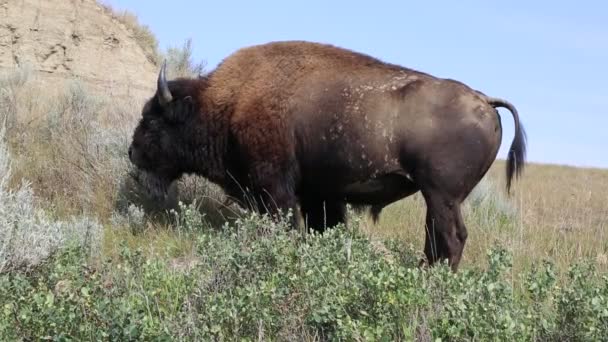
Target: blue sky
x=549, y=58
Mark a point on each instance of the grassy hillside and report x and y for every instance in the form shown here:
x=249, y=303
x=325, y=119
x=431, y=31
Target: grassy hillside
x=85, y=255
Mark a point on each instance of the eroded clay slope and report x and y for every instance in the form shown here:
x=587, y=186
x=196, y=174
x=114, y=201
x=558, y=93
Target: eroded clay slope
x=74, y=39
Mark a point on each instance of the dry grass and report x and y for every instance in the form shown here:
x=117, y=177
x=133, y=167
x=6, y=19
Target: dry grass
x=68, y=143
x=555, y=212
x=27, y=234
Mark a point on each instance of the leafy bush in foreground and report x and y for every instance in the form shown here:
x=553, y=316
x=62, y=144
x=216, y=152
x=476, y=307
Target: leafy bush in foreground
x=254, y=280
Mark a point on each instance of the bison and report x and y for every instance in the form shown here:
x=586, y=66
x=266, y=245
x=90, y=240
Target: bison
x=311, y=127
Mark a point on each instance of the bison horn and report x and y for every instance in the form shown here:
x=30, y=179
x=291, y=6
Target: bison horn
x=163, y=88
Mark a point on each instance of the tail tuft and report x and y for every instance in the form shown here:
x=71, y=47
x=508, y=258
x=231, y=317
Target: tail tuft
x=516, y=158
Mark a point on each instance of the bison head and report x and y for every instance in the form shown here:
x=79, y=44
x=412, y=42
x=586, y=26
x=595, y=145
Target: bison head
x=159, y=140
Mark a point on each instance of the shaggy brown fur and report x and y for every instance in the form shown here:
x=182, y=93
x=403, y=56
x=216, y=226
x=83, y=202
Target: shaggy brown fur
x=297, y=123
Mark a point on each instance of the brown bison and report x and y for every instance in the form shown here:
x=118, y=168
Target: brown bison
x=290, y=124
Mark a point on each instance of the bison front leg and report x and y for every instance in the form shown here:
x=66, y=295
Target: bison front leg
x=274, y=194
x=266, y=148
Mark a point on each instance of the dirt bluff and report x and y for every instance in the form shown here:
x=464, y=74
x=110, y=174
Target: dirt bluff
x=75, y=39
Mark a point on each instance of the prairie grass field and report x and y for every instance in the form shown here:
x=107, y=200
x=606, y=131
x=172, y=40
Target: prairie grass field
x=85, y=254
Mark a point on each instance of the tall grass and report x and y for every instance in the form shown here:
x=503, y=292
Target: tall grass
x=69, y=144
x=28, y=235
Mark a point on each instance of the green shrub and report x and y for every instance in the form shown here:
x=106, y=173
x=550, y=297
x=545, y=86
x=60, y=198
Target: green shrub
x=179, y=62
x=254, y=279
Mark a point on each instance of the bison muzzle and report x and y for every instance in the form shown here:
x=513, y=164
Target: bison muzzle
x=312, y=127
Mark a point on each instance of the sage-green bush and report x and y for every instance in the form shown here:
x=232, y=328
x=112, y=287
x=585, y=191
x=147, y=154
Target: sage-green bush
x=254, y=279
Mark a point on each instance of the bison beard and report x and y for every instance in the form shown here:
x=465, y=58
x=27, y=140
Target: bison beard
x=298, y=125
x=156, y=187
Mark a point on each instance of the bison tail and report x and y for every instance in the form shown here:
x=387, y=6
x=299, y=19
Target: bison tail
x=517, y=152
x=372, y=211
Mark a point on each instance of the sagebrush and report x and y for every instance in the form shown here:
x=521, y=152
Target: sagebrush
x=28, y=235
x=257, y=280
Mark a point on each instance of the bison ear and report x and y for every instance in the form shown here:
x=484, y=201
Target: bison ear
x=180, y=109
